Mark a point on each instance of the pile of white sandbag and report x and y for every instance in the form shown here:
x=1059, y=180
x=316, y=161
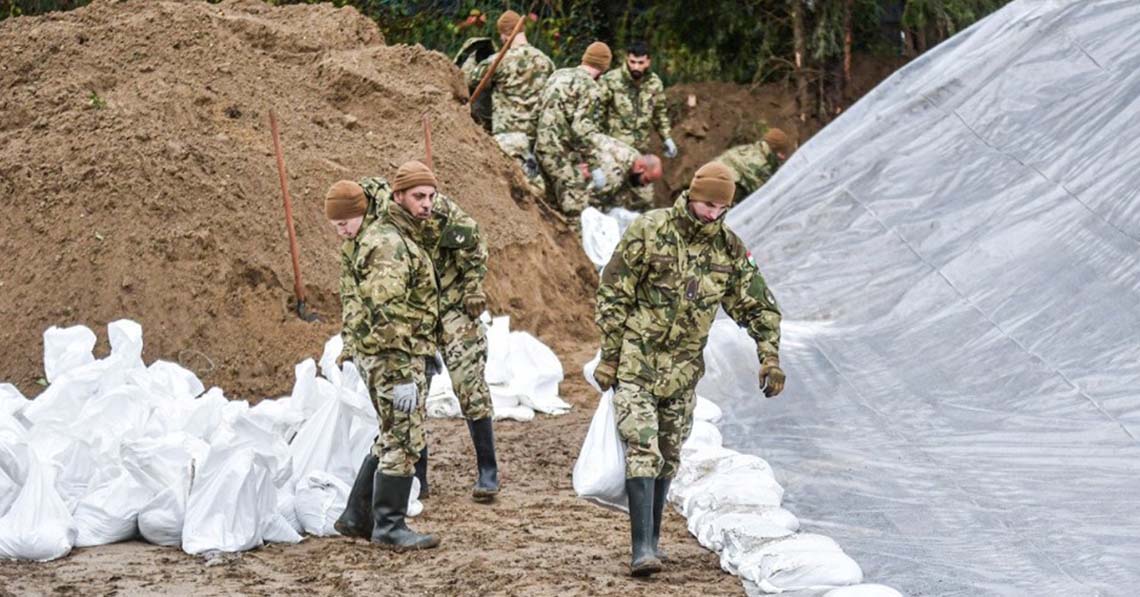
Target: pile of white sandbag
x=522, y=373
x=730, y=500
x=114, y=449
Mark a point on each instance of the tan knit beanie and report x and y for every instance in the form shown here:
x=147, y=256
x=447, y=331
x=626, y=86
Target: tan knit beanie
x=598, y=55
x=714, y=183
x=778, y=141
x=413, y=174
x=507, y=22
x=345, y=200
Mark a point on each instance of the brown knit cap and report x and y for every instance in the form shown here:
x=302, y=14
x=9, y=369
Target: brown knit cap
x=507, y=22
x=345, y=200
x=714, y=183
x=598, y=55
x=413, y=174
x=778, y=141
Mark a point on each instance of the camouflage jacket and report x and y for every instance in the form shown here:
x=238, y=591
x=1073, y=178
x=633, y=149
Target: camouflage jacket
x=452, y=239
x=616, y=158
x=393, y=306
x=567, y=119
x=630, y=111
x=516, y=87
x=660, y=292
x=752, y=165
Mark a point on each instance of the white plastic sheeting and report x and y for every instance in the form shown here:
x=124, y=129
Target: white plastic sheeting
x=114, y=449
x=958, y=259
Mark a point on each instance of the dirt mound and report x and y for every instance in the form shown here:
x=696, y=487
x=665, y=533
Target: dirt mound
x=137, y=166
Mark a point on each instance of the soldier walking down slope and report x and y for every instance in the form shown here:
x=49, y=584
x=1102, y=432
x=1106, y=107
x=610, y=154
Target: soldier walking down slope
x=656, y=303
x=568, y=132
x=393, y=326
x=753, y=164
x=459, y=254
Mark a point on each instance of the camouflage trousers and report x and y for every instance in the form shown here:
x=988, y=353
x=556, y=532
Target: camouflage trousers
x=566, y=186
x=518, y=147
x=401, y=434
x=464, y=343
x=653, y=429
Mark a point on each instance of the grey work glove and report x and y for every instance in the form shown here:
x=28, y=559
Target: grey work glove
x=670, y=148
x=598, y=176
x=406, y=397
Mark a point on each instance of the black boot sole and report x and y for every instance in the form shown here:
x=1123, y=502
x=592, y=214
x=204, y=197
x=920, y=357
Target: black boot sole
x=403, y=548
x=352, y=532
x=645, y=568
x=484, y=496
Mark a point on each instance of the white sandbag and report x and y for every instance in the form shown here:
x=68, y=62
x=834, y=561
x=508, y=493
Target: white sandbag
x=38, y=525
x=600, y=236
x=319, y=502
x=803, y=561
x=706, y=410
x=280, y=530
x=442, y=402
x=304, y=396
x=278, y=416
x=126, y=340
x=12, y=402
x=244, y=432
x=66, y=349
x=623, y=217
x=232, y=504
x=599, y=473
x=863, y=590
x=109, y=512
x=165, y=466
x=161, y=519
x=14, y=462
x=287, y=508
x=415, y=506
x=707, y=460
x=753, y=528
x=535, y=374
x=704, y=434
x=333, y=347
x=732, y=369
x=76, y=463
x=588, y=371
x=502, y=397
x=112, y=416
x=320, y=445
x=519, y=413
x=178, y=382
x=498, y=369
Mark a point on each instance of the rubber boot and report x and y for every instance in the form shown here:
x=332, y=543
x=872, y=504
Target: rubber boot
x=356, y=521
x=487, y=481
x=644, y=561
x=389, y=507
x=660, y=492
x=421, y=473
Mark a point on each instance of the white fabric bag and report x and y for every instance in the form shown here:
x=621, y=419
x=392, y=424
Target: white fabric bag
x=320, y=500
x=38, y=526
x=600, y=236
x=599, y=473
x=232, y=504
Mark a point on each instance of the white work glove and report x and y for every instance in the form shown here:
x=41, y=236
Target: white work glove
x=599, y=177
x=670, y=148
x=406, y=397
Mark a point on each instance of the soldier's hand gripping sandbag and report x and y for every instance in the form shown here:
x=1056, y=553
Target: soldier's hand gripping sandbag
x=433, y=365
x=474, y=304
x=405, y=397
x=606, y=374
x=771, y=377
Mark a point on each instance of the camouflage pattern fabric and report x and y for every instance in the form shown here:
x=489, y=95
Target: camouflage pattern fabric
x=752, y=165
x=518, y=146
x=616, y=158
x=401, y=434
x=631, y=110
x=656, y=303
x=516, y=87
x=654, y=429
x=459, y=255
x=568, y=135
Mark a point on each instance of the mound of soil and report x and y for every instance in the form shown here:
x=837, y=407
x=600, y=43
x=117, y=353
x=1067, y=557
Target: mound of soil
x=137, y=166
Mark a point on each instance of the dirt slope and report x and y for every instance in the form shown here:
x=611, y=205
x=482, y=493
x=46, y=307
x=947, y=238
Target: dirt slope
x=138, y=180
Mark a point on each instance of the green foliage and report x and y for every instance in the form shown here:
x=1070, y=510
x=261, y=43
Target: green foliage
x=96, y=102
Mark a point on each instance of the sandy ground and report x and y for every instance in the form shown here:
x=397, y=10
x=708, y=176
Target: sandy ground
x=536, y=539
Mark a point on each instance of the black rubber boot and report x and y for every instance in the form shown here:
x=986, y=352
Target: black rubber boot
x=660, y=492
x=356, y=521
x=421, y=473
x=389, y=507
x=487, y=481
x=644, y=561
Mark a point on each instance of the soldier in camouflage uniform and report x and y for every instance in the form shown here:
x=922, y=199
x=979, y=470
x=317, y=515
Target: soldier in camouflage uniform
x=392, y=312
x=568, y=133
x=752, y=165
x=657, y=300
x=628, y=173
x=459, y=255
x=633, y=104
x=516, y=86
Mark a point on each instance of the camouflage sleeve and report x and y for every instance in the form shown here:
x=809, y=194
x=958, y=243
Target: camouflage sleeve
x=473, y=70
x=751, y=305
x=352, y=312
x=605, y=97
x=471, y=253
x=661, y=113
x=584, y=124
x=617, y=296
x=384, y=277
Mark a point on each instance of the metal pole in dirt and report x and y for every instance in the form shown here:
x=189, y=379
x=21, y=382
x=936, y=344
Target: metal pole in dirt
x=427, y=141
x=298, y=287
x=502, y=52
